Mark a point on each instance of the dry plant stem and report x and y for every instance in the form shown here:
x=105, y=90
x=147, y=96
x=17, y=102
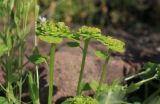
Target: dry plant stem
x=51, y=72
x=36, y=66
x=82, y=66
x=104, y=70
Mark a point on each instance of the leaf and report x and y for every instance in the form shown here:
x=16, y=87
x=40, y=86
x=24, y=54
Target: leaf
x=111, y=94
x=3, y=49
x=73, y=44
x=89, y=86
x=50, y=39
x=93, y=84
x=13, y=77
x=100, y=54
x=149, y=69
x=3, y=100
x=10, y=5
x=133, y=87
x=37, y=58
x=85, y=87
x=33, y=89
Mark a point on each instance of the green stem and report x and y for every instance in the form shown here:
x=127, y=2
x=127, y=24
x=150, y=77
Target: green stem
x=20, y=90
x=141, y=73
x=135, y=75
x=37, y=76
x=146, y=80
x=51, y=70
x=82, y=66
x=104, y=70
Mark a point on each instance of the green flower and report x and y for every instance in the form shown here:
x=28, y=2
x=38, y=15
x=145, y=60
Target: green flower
x=81, y=100
x=112, y=43
x=52, y=32
x=89, y=32
x=50, y=28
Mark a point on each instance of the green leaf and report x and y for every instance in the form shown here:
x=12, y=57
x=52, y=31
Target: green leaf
x=93, y=84
x=33, y=89
x=50, y=39
x=100, y=54
x=149, y=69
x=13, y=77
x=3, y=49
x=73, y=44
x=85, y=87
x=37, y=58
x=133, y=87
x=3, y=100
x=111, y=94
x=89, y=86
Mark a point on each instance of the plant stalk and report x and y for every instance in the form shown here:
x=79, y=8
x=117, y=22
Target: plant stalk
x=104, y=70
x=82, y=67
x=51, y=72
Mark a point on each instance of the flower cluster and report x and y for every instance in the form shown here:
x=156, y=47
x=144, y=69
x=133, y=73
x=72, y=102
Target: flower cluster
x=112, y=43
x=95, y=33
x=81, y=100
x=52, y=29
x=52, y=32
x=89, y=32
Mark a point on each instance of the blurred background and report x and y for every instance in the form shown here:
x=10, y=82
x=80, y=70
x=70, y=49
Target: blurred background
x=137, y=22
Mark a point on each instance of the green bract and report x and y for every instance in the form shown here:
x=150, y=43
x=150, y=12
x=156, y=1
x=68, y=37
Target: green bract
x=51, y=32
x=112, y=43
x=81, y=100
x=89, y=32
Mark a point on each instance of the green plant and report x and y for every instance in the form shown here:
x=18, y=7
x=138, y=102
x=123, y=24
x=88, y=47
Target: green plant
x=88, y=33
x=52, y=33
x=151, y=72
x=14, y=14
x=33, y=89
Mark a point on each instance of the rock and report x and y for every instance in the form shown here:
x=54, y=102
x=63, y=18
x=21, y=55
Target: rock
x=67, y=68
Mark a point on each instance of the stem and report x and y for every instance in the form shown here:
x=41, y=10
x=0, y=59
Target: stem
x=20, y=90
x=82, y=67
x=135, y=76
x=104, y=70
x=36, y=46
x=141, y=73
x=51, y=70
x=146, y=80
x=37, y=76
